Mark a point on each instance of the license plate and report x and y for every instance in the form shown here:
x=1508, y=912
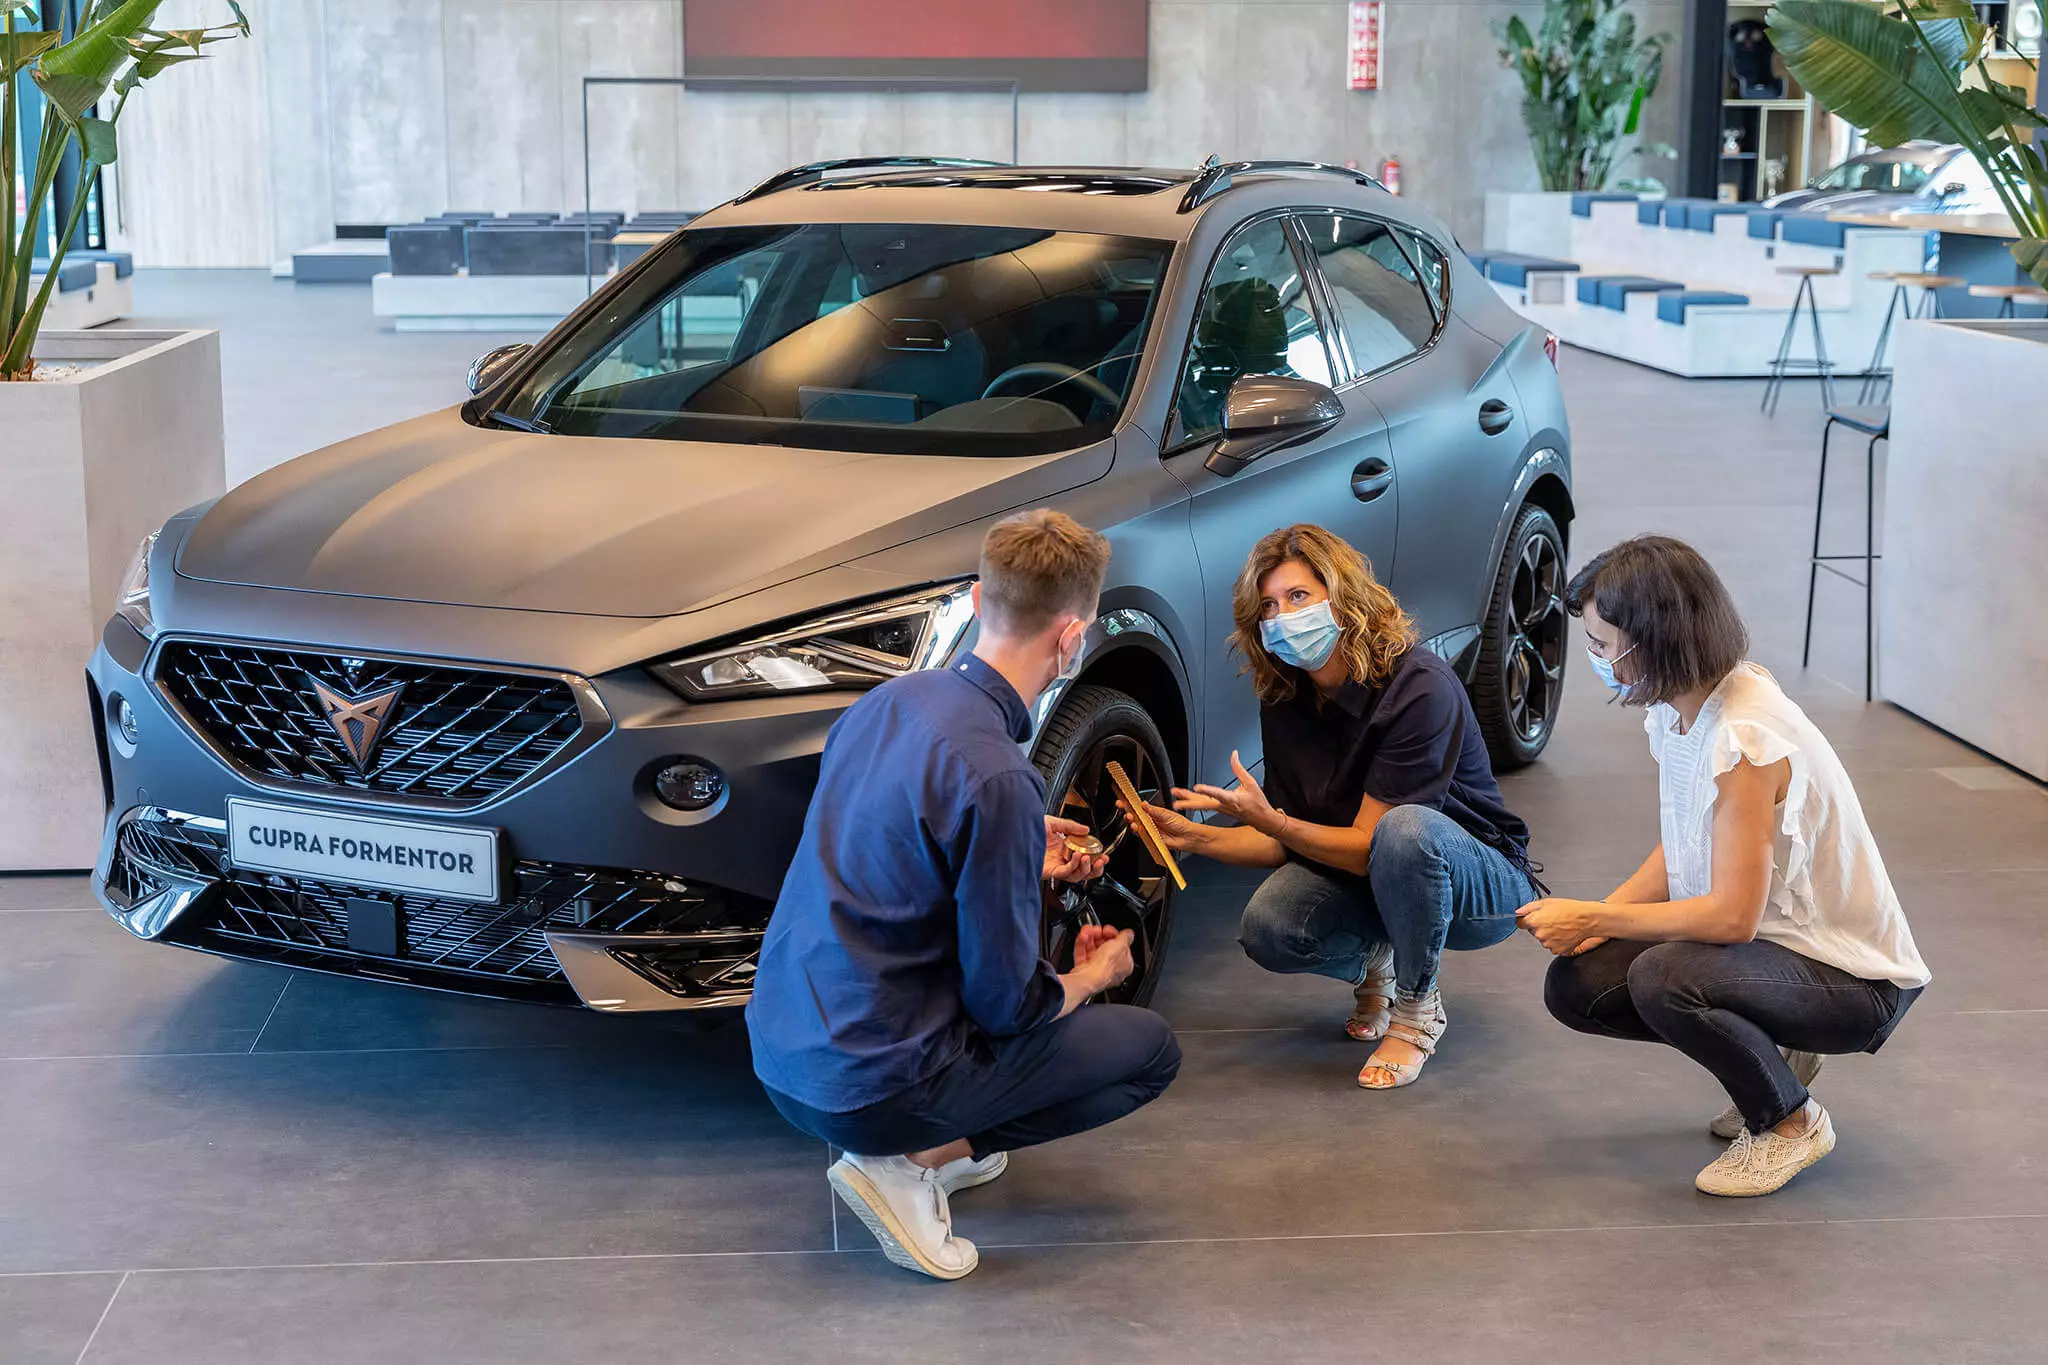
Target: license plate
x=364, y=850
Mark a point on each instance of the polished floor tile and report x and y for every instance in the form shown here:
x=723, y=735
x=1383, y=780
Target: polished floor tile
x=333, y=1170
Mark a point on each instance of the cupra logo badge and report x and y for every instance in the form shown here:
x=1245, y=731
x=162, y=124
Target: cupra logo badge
x=358, y=720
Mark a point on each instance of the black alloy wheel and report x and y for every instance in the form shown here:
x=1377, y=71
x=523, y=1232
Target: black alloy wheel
x=1092, y=726
x=1520, y=679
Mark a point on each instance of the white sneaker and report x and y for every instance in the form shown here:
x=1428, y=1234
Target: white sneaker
x=1759, y=1163
x=1805, y=1065
x=904, y=1205
x=966, y=1173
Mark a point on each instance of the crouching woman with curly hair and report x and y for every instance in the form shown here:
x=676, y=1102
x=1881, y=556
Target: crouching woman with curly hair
x=1379, y=815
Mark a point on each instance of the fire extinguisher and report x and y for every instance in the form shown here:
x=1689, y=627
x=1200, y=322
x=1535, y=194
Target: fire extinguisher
x=1390, y=174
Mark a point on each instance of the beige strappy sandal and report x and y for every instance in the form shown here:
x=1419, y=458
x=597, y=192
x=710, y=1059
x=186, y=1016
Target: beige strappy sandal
x=1375, y=998
x=1418, y=1022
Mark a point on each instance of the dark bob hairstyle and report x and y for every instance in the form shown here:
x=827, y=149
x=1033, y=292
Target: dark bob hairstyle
x=1670, y=604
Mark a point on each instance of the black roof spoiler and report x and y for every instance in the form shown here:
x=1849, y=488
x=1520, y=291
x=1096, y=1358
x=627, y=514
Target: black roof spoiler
x=812, y=172
x=1216, y=177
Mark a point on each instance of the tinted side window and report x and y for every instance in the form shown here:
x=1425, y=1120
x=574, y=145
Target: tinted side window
x=1436, y=271
x=1255, y=318
x=1382, y=303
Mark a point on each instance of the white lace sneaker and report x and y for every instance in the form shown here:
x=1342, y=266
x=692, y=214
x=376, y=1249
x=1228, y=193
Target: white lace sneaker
x=904, y=1205
x=966, y=1173
x=1760, y=1163
x=1805, y=1065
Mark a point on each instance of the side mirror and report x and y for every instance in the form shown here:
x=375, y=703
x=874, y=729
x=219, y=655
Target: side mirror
x=1263, y=413
x=486, y=368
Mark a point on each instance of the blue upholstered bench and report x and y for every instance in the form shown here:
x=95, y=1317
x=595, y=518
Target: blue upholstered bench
x=1763, y=223
x=1672, y=304
x=506, y=248
x=1700, y=216
x=425, y=248
x=1650, y=212
x=1582, y=204
x=1810, y=229
x=1612, y=291
x=1512, y=267
x=75, y=275
x=124, y=263
x=1678, y=212
x=1479, y=260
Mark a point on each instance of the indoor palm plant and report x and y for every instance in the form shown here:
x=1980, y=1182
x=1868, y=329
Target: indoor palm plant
x=1585, y=75
x=114, y=51
x=1920, y=70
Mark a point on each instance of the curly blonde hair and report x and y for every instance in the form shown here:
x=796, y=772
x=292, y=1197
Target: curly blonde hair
x=1375, y=632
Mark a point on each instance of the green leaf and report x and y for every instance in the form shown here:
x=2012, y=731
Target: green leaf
x=146, y=67
x=1872, y=70
x=2032, y=254
x=17, y=50
x=97, y=137
x=74, y=76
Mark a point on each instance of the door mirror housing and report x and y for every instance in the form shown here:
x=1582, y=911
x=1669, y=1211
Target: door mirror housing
x=486, y=369
x=1263, y=413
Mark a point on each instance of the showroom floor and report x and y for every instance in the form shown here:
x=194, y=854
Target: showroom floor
x=211, y=1161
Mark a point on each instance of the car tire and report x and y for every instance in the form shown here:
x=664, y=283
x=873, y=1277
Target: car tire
x=1519, y=679
x=1090, y=726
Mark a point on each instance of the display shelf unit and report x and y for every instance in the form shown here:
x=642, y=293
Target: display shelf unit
x=1774, y=136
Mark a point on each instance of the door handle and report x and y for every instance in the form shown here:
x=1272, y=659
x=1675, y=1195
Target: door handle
x=1373, y=477
x=1495, y=417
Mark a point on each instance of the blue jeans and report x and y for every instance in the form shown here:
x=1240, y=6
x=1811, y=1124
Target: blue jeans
x=1428, y=886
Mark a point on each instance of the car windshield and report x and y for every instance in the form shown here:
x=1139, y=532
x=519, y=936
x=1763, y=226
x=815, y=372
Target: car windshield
x=896, y=338
x=1860, y=174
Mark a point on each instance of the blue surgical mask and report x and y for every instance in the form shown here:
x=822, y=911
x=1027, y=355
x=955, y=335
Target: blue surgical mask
x=1603, y=669
x=1304, y=638
x=1065, y=670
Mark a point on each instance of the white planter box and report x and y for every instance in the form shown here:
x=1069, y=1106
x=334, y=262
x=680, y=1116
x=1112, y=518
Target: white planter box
x=88, y=466
x=1963, y=590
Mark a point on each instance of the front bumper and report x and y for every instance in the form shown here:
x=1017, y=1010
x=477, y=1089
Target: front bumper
x=611, y=899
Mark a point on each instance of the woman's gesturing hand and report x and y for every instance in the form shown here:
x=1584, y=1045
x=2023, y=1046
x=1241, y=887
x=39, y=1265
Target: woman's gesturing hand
x=1567, y=928
x=1181, y=834
x=1245, y=803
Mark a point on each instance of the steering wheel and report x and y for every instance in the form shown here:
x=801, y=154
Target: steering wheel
x=1059, y=374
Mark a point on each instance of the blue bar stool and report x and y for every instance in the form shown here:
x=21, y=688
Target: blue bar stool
x=1785, y=362
x=1876, y=423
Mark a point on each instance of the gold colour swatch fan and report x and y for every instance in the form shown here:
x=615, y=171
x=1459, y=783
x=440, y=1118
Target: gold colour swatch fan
x=1147, y=832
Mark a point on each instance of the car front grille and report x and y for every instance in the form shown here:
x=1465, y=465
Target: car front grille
x=707, y=940
x=454, y=736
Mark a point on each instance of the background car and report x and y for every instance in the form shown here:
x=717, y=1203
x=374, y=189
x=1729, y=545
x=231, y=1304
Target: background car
x=1918, y=177
x=526, y=698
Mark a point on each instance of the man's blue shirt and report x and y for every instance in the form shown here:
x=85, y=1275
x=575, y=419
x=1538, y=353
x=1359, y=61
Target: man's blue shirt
x=910, y=915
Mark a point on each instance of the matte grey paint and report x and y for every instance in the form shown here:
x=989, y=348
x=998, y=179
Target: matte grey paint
x=445, y=540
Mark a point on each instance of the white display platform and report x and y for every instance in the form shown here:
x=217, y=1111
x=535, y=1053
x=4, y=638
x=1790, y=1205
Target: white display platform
x=75, y=310
x=1716, y=340
x=345, y=260
x=477, y=303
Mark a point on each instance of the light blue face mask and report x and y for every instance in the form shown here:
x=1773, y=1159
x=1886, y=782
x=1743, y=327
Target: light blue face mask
x=1603, y=669
x=1304, y=638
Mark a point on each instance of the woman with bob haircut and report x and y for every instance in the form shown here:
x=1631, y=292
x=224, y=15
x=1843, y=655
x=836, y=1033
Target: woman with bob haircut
x=1762, y=933
x=1379, y=814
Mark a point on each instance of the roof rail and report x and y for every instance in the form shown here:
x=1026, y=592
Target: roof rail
x=1216, y=176
x=813, y=172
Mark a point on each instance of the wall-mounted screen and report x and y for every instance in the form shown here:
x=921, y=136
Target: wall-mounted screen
x=1042, y=45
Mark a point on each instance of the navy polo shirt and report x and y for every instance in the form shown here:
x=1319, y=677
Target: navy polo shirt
x=1413, y=740
x=909, y=918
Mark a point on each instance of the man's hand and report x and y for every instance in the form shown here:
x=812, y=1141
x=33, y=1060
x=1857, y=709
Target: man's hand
x=1062, y=864
x=1566, y=927
x=1246, y=802
x=1104, y=954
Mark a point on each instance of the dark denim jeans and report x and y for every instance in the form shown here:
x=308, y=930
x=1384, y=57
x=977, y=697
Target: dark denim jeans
x=1428, y=886
x=1093, y=1067
x=1729, y=1007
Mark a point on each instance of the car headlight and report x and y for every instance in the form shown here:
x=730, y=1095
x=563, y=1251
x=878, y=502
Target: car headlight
x=858, y=648
x=132, y=603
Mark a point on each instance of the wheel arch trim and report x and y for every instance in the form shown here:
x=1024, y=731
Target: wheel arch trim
x=1112, y=636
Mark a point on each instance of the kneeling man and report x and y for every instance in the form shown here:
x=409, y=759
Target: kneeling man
x=902, y=1011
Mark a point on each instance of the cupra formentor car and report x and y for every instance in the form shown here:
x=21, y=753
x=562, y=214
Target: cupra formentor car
x=525, y=698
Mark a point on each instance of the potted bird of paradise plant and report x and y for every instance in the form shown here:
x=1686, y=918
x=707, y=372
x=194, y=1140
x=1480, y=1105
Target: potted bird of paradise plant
x=103, y=434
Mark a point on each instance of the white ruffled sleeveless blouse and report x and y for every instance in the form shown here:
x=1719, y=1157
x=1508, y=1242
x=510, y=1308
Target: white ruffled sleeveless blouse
x=1830, y=898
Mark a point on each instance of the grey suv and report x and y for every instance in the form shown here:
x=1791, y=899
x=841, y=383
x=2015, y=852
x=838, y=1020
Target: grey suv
x=525, y=698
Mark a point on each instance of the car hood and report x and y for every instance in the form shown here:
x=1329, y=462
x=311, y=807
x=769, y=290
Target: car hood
x=437, y=510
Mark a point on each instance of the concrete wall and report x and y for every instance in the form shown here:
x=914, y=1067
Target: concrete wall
x=383, y=110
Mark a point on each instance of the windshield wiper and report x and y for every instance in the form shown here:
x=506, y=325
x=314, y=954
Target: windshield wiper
x=506, y=419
